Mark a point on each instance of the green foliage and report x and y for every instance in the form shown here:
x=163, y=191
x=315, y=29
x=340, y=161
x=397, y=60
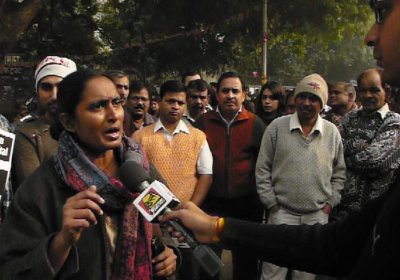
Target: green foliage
x=161, y=38
x=322, y=36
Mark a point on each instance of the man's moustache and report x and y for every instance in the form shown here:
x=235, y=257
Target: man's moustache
x=139, y=106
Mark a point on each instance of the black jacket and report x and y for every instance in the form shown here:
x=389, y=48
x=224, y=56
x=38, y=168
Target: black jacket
x=365, y=245
x=33, y=219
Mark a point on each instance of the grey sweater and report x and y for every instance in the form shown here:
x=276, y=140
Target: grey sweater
x=298, y=173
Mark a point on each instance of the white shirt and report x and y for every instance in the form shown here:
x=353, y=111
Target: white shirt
x=228, y=123
x=295, y=124
x=204, y=160
x=383, y=110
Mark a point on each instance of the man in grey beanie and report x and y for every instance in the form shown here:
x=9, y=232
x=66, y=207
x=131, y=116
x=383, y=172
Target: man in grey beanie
x=300, y=167
x=33, y=143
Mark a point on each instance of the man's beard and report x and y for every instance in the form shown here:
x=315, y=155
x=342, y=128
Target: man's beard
x=48, y=109
x=51, y=108
x=198, y=110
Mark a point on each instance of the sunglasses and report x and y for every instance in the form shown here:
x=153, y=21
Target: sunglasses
x=381, y=9
x=47, y=86
x=234, y=90
x=125, y=87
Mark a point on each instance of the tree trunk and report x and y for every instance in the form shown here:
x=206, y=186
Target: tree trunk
x=14, y=19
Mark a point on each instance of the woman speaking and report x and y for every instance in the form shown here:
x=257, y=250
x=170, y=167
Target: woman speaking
x=73, y=218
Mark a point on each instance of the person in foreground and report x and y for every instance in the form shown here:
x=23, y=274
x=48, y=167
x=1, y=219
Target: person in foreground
x=72, y=218
x=366, y=244
x=352, y=248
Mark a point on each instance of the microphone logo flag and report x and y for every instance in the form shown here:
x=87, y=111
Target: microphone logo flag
x=153, y=200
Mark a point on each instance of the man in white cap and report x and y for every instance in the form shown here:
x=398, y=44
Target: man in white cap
x=300, y=167
x=33, y=143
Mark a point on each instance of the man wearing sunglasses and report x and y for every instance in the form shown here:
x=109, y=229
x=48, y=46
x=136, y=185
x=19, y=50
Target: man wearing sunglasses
x=366, y=244
x=234, y=136
x=33, y=143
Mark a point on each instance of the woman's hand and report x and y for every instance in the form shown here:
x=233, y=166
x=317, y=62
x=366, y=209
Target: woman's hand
x=79, y=213
x=202, y=225
x=165, y=263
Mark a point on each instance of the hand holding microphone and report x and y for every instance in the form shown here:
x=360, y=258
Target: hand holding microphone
x=195, y=219
x=164, y=259
x=154, y=200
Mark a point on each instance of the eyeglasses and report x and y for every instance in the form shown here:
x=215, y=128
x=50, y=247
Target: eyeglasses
x=234, y=90
x=120, y=86
x=381, y=9
x=47, y=86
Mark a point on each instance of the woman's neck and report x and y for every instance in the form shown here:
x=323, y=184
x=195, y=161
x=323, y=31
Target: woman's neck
x=105, y=161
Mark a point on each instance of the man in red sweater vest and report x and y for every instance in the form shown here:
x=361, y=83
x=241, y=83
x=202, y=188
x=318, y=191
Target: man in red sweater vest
x=234, y=136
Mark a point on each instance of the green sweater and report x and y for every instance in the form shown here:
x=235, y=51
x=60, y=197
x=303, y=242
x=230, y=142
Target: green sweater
x=298, y=173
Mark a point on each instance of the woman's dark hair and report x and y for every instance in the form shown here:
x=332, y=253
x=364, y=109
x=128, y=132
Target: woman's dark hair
x=70, y=93
x=278, y=93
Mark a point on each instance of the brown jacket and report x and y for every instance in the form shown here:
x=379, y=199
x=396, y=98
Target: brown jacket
x=33, y=145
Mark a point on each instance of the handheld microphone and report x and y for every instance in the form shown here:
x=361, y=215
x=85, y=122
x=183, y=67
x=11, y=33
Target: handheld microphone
x=155, y=199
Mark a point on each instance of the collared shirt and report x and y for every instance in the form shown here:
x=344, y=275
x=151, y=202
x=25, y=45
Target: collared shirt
x=205, y=159
x=383, y=110
x=295, y=124
x=189, y=117
x=228, y=123
x=335, y=118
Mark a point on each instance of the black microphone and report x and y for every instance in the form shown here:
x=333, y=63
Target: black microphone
x=155, y=199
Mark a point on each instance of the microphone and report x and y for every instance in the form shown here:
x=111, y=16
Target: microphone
x=155, y=199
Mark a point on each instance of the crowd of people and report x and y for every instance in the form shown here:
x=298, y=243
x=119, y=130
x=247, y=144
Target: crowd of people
x=295, y=182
